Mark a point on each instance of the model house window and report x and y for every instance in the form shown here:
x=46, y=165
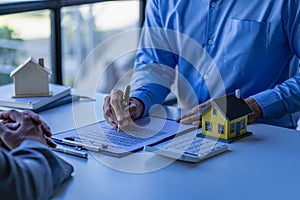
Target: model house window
x=214, y=110
x=221, y=128
x=232, y=128
x=208, y=126
x=243, y=124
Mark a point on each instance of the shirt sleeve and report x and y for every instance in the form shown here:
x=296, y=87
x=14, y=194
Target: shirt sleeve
x=154, y=65
x=285, y=98
x=31, y=171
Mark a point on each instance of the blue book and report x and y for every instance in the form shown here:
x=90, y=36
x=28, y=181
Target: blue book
x=31, y=103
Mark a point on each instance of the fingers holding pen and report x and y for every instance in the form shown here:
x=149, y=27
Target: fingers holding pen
x=128, y=119
x=108, y=112
x=116, y=98
x=120, y=109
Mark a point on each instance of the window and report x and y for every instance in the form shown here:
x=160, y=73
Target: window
x=21, y=36
x=221, y=128
x=214, y=111
x=232, y=128
x=208, y=126
x=63, y=32
x=16, y=1
x=86, y=37
x=243, y=124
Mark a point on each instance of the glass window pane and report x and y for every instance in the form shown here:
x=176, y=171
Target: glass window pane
x=86, y=27
x=243, y=124
x=208, y=126
x=21, y=36
x=232, y=128
x=221, y=128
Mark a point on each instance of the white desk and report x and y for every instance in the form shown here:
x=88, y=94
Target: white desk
x=265, y=165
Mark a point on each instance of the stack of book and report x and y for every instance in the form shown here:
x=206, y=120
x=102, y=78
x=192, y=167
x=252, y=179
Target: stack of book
x=60, y=95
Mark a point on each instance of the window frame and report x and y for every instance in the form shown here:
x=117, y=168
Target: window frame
x=208, y=126
x=55, y=7
x=221, y=128
x=232, y=128
x=243, y=124
x=214, y=111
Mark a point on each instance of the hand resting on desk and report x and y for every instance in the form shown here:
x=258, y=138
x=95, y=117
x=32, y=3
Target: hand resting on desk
x=16, y=127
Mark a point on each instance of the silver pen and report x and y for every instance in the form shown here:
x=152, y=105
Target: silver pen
x=67, y=141
x=70, y=151
x=125, y=102
x=82, y=145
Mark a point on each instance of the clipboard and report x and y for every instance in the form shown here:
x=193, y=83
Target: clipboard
x=101, y=137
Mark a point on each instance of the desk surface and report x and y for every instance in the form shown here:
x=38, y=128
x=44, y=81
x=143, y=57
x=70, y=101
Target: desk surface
x=265, y=165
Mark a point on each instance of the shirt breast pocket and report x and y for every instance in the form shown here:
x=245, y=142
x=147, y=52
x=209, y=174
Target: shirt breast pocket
x=245, y=39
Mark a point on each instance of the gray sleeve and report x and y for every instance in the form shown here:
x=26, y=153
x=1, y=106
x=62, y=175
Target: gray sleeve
x=31, y=171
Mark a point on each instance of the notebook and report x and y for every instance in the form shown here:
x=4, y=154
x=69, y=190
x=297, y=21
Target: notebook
x=101, y=137
x=32, y=103
x=59, y=102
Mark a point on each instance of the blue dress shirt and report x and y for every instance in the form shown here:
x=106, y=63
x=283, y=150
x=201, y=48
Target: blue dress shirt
x=218, y=46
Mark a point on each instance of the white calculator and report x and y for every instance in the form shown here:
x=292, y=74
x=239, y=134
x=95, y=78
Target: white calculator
x=188, y=148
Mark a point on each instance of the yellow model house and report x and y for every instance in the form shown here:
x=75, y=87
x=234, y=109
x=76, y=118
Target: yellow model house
x=226, y=117
x=31, y=79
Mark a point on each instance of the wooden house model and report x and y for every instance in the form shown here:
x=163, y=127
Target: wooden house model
x=226, y=117
x=31, y=79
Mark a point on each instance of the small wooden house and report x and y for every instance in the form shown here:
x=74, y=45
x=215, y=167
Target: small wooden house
x=31, y=79
x=225, y=117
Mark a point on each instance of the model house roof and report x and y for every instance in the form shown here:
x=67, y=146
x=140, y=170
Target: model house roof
x=28, y=61
x=231, y=107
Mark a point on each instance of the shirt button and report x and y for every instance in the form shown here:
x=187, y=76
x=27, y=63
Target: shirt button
x=205, y=76
x=213, y=4
x=210, y=41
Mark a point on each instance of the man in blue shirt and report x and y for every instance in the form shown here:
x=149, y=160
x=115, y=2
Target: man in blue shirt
x=211, y=48
x=28, y=168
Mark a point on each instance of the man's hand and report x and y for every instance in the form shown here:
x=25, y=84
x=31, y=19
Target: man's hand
x=16, y=127
x=114, y=112
x=193, y=117
x=256, y=109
